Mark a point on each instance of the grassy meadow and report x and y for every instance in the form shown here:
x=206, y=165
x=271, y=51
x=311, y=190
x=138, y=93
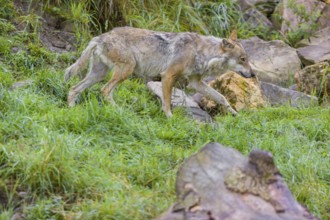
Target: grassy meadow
x=97, y=161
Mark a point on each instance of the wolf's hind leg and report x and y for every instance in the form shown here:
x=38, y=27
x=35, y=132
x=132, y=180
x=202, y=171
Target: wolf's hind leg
x=98, y=71
x=204, y=89
x=120, y=72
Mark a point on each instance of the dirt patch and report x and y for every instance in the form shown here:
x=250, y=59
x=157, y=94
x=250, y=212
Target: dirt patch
x=57, y=40
x=55, y=33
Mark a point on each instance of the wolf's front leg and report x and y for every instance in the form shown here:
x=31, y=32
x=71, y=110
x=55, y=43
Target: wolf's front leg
x=167, y=85
x=204, y=89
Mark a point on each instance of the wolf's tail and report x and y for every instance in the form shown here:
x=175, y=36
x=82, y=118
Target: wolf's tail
x=82, y=62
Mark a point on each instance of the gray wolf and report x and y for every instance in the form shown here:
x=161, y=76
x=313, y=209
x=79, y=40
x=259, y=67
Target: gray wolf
x=129, y=50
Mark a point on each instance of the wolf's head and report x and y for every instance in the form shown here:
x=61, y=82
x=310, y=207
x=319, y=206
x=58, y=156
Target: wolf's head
x=237, y=59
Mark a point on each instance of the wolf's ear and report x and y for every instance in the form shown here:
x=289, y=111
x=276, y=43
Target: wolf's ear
x=226, y=44
x=233, y=36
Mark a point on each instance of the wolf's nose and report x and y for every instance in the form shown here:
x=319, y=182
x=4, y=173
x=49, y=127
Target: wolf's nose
x=253, y=74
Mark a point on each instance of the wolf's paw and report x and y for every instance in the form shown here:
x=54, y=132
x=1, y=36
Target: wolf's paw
x=71, y=99
x=110, y=100
x=169, y=115
x=67, y=75
x=71, y=103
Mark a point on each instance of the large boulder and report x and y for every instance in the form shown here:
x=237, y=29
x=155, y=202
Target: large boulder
x=220, y=183
x=315, y=49
x=180, y=99
x=273, y=61
x=276, y=96
x=315, y=79
x=241, y=93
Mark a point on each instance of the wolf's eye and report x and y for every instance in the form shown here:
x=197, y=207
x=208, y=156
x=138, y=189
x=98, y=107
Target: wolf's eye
x=243, y=59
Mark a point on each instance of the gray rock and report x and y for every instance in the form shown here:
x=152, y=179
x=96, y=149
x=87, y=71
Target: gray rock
x=256, y=19
x=273, y=61
x=315, y=79
x=21, y=84
x=293, y=87
x=220, y=183
x=199, y=114
x=277, y=95
x=314, y=54
x=319, y=37
x=316, y=48
x=179, y=98
x=23, y=195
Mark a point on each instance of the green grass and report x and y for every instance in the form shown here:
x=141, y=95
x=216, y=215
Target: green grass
x=96, y=161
